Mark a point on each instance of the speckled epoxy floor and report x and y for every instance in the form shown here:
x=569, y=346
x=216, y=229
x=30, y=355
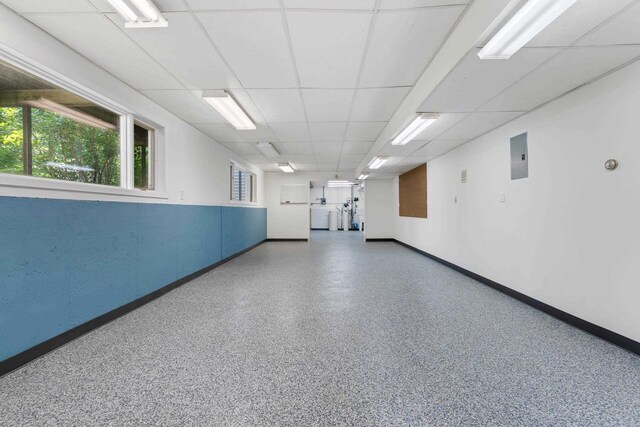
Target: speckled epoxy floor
x=332, y=332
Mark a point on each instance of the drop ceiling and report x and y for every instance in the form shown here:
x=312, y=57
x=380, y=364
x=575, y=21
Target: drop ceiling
x=591, y=39
x=322, y=78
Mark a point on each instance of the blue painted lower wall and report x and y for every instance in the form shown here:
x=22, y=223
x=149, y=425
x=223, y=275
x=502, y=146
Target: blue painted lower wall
x=64, y=262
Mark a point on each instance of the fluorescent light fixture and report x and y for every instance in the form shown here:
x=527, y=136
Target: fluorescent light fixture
x=147, y=8
x=340, y=184
x=363, y=176
x=63, y=110
x=376, y=162
x=286, y=167
x=124, y=10
x=139, y=13
x=420, y=123
x=533, y=17
x=229, y=109
x=268, y=150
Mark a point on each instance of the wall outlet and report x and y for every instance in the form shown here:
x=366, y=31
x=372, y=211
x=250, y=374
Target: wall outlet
x=181, y=194
x=463, y=176
x=502, y=198
x=455, y=199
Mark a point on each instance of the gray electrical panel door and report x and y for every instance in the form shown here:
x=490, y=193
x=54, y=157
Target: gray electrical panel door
x=519, y=157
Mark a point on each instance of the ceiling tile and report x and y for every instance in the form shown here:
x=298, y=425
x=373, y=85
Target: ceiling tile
x=330, y=4
x=444, y=122
x=279, y=105
x=291, y=132
x=262, y=133
x=417, y=160
x=328, y=158
x=328, y=46
x=294, y=148
x=351, y=158
x=478, y=123
x=327, y=166
x=403, y=4
x=306, y=167
x=221, y=133
x=347, y=167
x=242, y=148
x=356, y=147
x=260, y=160
x=327, y=105
x=475, y=81
x=438, y=147
x=377, y=105
x=579, y=19
x=327, y=147
x=301, y=158
x=327, y=131
x=100, y=40
x=401, y=150
x=186, y=105
x=232, y=4
x=403, y=43
x=185, y=51
x=42, y=6
x=566, y=71
x=364, y=131
x=623, y=29
x=255, y=45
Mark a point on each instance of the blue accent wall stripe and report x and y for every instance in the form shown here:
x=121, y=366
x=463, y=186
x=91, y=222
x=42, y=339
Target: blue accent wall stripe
x=64, y=262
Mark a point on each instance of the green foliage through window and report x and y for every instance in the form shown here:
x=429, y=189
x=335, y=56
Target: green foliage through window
x=62, y=148
x=11, y=151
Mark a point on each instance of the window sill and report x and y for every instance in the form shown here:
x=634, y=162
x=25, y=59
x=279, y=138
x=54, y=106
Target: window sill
x=46, y=184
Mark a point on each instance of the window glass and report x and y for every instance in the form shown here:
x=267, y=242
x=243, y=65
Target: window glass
x=242, y=184
x=49, y=132
x=143, y=148
x=11, y=152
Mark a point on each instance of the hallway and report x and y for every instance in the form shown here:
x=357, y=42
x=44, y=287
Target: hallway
x=331, y=332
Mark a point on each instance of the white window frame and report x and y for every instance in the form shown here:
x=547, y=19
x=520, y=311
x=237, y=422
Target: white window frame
x=127, y=119
x=252, y=186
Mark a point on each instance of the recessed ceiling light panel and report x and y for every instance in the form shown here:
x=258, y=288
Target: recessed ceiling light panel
x=139, y=13
x=415, y=127
x=286, y=167
x=229, y=109
x=533, y=17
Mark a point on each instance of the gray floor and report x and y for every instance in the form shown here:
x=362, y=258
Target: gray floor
x=332, y=332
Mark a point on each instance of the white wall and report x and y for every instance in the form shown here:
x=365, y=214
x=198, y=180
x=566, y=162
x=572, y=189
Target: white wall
x=379, y=221
x=568, y=235
x=189, y=161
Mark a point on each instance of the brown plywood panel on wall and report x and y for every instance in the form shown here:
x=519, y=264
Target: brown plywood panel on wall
x=413, y=192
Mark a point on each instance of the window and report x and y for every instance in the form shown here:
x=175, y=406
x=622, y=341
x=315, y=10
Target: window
x=243, y=185
x=143, y=154
x=50, y=132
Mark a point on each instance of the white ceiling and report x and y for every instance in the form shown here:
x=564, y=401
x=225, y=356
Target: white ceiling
x=321, y=78
x=591, y=39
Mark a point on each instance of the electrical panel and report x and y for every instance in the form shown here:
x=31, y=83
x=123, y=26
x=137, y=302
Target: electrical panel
x=519, y=157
